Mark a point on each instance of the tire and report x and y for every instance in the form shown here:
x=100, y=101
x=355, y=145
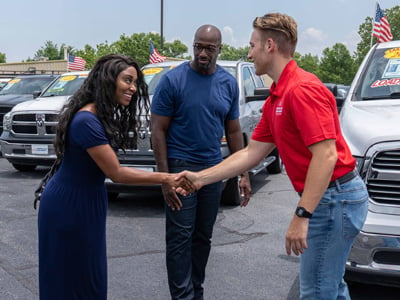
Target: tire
x=112, y=196
x=231, y=193
x=24, y=168
x=277, y=166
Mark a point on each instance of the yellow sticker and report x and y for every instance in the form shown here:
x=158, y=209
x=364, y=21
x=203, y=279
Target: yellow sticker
x=392, y=53
x=68, y=78
x=150, y=71
x=14, y=80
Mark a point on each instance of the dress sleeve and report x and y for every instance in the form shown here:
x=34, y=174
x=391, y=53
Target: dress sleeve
x=87, y=131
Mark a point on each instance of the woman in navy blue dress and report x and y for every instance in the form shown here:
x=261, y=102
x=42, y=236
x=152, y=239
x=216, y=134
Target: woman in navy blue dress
x=73, y=206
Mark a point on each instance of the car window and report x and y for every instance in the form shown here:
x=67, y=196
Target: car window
x=381, y=79
x=26, y=85
x=152, y=76
x=248, y=82
x=230, y=70
x=65, y=85
x=258, y=80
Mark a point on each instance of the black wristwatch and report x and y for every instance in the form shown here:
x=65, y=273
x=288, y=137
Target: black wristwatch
x=302, y=212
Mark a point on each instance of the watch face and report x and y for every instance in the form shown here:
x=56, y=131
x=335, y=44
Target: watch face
x=301, y=212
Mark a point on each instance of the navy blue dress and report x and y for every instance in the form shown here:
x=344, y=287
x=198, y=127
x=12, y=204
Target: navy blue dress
x=72, y=220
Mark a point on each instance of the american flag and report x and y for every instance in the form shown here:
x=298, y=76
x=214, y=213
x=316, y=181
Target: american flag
x=381, y=28
x=155, y=57
x=76, y=63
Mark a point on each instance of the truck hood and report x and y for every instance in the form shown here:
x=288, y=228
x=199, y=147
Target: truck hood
x=370, y=122
x=14, y=99
x=54, y=103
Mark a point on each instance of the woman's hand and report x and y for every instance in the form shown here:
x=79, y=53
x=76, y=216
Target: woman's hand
x=193, y=178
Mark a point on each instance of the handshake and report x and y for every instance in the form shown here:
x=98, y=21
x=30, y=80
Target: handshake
x=186, y=183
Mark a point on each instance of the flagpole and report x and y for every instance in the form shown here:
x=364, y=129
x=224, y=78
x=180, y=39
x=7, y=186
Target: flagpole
x=373, y=23
x=162, y=23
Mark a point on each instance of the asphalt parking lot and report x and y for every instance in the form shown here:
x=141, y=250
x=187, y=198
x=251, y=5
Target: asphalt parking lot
x=247, y=261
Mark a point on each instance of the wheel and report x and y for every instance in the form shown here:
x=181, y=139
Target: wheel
x=24, y=168
x=277, y=166
x=231, y=193
x=112, y=196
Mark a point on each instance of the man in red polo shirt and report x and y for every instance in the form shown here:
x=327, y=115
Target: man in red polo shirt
x=300, y=118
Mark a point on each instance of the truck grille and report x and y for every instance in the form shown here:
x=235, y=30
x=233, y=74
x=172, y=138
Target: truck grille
x=383, y=181
x=38, y=124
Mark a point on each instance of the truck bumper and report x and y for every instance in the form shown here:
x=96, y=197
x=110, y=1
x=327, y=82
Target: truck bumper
x=375, y=257
x=24, y=153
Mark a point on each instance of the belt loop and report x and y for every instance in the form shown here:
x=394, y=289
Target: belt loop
x=337, y=184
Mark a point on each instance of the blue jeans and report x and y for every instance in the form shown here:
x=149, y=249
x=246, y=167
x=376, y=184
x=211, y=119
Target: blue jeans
x=335, y=223
x=188, y=236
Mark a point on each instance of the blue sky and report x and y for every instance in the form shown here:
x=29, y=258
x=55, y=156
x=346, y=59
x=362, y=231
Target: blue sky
x=26, y=25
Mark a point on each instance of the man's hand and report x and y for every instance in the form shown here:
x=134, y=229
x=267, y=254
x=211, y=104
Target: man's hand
x=193, y=178
x=169, y=190
x=175, y=181
x=296, y=236
x=170, y=197
x=245, y=189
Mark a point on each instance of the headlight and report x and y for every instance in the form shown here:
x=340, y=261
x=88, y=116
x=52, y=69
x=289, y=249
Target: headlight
x=359, y=163
x=7, y=121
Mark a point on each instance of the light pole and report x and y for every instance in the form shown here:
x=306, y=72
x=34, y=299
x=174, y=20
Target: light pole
x=162, y=24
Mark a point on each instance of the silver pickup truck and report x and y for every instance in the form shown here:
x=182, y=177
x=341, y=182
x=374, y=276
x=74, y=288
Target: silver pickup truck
x=252, y=90
x=29, y=127
x=370, y=121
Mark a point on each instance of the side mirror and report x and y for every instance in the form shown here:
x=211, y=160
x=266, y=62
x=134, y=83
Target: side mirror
x=36, y=94
x=260, y=94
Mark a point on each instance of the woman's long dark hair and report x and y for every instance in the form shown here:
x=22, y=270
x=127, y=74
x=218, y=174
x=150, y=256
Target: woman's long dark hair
x=99, y=88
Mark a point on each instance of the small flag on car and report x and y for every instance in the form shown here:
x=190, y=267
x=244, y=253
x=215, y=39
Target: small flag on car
x=76, y=63
x=155, y=57
x=381, y=28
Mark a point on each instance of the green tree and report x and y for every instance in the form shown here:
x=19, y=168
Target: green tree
x=49, y=50
x=2, y=57
x=91, y=54
x=232, y=53
x=336, y=65
x=138, y=46
x=308, y=62
x=52, y=51
x=176, y=49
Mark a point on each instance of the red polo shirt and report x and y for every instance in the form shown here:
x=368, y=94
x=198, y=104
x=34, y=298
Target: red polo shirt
x=299, y=112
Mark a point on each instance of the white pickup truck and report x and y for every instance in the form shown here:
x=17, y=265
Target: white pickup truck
x=29, y=128
x=370, y=121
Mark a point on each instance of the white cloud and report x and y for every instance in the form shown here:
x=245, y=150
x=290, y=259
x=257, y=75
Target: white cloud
x=351, y=41
x=312, y=41
x=228, y=36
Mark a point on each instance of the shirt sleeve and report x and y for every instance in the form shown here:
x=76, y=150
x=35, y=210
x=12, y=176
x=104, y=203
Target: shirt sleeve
x=162, y=102
x=262, y=132
x=87, y=131
x=234, y=113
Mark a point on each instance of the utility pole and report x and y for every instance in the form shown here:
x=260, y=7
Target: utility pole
x=162, y=24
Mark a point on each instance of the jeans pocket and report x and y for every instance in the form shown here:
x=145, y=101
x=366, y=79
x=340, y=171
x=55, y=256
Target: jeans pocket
x=354, y=215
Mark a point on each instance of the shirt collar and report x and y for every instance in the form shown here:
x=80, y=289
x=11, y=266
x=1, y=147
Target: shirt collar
x=277, y=89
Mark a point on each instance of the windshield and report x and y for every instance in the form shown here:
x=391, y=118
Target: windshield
x=66, y=85
x=26, y=85
x=381, y=79
x=152, y=75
